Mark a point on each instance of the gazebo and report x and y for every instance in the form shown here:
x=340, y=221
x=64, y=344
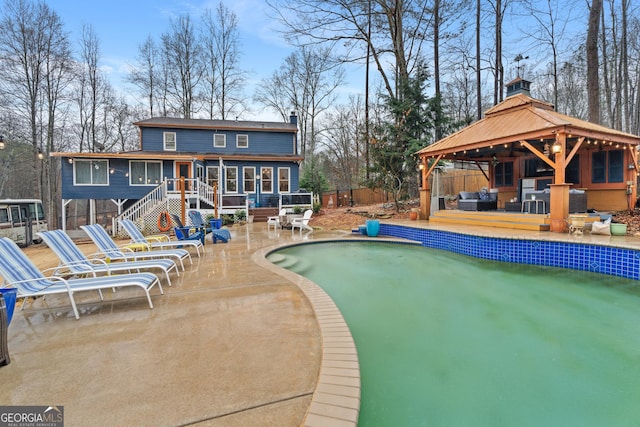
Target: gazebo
x=525, y=138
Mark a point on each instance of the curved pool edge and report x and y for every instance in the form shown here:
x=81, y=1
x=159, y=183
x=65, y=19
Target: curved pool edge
x=336, y=397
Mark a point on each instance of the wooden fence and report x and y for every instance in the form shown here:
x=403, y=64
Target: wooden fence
x=452, y=181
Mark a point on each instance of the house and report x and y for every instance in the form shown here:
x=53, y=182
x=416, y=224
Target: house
x=528, y=147
x=217, y=166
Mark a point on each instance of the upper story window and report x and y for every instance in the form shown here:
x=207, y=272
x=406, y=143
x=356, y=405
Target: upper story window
x=219, y=140
x=169, y=141
x=242, y=141
x=284, y=178
x=249, y=179
x=266, y=186
x=90, y=172
x=504, y=174
x=231, y=173
x=607, y=166
x=145, y=173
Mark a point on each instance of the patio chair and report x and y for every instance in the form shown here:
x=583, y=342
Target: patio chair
x=186, y=232
x=303, y=222
x=19, y=272
x=137, y=237
x=74, y=261
x=275, y=220
x=198, y=221
x=109, y=249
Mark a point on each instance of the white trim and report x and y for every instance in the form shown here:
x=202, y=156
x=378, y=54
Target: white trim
x=244, y=181
x=226, y=181
x=288, y=169
x=224, y=140
x=166, y=139
x=91, y=162
x=238, y=141
x=262, y=190
x=145, y=182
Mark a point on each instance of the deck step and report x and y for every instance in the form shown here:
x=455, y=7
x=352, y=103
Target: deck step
x=499, y=219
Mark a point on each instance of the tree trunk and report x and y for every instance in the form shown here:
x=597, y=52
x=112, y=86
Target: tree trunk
x=593, y=84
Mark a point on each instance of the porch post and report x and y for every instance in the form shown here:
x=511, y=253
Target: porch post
x=559, y=197
x=425, y=203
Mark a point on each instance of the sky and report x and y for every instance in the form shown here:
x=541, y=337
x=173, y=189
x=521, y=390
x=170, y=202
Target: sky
x=122, y=26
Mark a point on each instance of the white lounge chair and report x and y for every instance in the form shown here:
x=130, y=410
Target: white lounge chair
x=303, y=222
x=275, y=220
x=108, y=248
x=137, y=237
x=73, y=261
x=19, y=272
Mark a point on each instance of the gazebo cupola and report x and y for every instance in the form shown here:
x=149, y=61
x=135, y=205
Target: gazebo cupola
x=518, y=85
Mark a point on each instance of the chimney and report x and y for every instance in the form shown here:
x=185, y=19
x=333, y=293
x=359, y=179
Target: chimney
x=293, y=119
x=518, y=85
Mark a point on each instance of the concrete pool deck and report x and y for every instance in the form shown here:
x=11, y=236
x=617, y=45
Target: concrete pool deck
x=232, y=342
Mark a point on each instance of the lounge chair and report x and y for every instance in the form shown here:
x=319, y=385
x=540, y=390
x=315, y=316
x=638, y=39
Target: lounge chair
x=185, y=232
x=303, y=222
x=74, y=261
x=19, y=272
x=109, y=249
x=137, y=237
x=275, y=220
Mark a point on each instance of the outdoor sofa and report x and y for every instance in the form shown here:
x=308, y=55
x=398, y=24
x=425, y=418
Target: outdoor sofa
x=477, y=201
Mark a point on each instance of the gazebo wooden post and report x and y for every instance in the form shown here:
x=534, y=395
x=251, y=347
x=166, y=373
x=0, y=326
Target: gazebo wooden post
x=425, y=191
x=559, y=196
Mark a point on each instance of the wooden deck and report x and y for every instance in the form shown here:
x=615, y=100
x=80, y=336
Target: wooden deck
x=499, y=218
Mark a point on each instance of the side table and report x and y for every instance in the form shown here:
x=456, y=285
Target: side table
x=537, y=203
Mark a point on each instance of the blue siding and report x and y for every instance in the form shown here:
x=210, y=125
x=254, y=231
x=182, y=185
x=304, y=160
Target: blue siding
x=118, y=187
x=201, y=141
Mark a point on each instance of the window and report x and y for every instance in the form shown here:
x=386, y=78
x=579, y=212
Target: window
x=242, y=141
x=91, y=172
x=249, y=180
x=283, y=180
x=504, y=174
x=219, y=140
x=4, y=215
x=607, y=166
x=266, y=186
x=145, y=173
x=213, y=175
x=232, y=179
x=169, y=141
x=572, y=172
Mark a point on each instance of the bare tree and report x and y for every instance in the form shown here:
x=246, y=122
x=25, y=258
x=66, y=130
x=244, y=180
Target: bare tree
x=184, y=66
x=34, y=61
x=145, y=73
x=396, y=37
x=224, y=79
x=305, y=83
x=342, y=144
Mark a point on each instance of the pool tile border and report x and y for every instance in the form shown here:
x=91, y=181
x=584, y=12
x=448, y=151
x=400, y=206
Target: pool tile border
x=595, y=258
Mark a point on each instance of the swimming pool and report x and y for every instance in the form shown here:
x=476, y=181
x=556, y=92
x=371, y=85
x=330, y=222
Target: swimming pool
x=446, y=339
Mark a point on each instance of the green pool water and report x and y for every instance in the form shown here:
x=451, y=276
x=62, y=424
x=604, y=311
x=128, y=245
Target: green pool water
x=449, y=340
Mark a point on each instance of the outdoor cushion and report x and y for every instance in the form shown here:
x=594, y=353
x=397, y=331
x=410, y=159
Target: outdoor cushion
x=469, y=195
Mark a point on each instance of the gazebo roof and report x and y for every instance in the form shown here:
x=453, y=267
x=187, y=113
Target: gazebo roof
x=520, y=117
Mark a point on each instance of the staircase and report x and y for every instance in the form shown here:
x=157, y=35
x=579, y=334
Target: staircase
x=165, y=197
x=261, y=214
x=500, y=219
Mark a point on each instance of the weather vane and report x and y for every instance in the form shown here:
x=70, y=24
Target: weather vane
x=519, y=58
